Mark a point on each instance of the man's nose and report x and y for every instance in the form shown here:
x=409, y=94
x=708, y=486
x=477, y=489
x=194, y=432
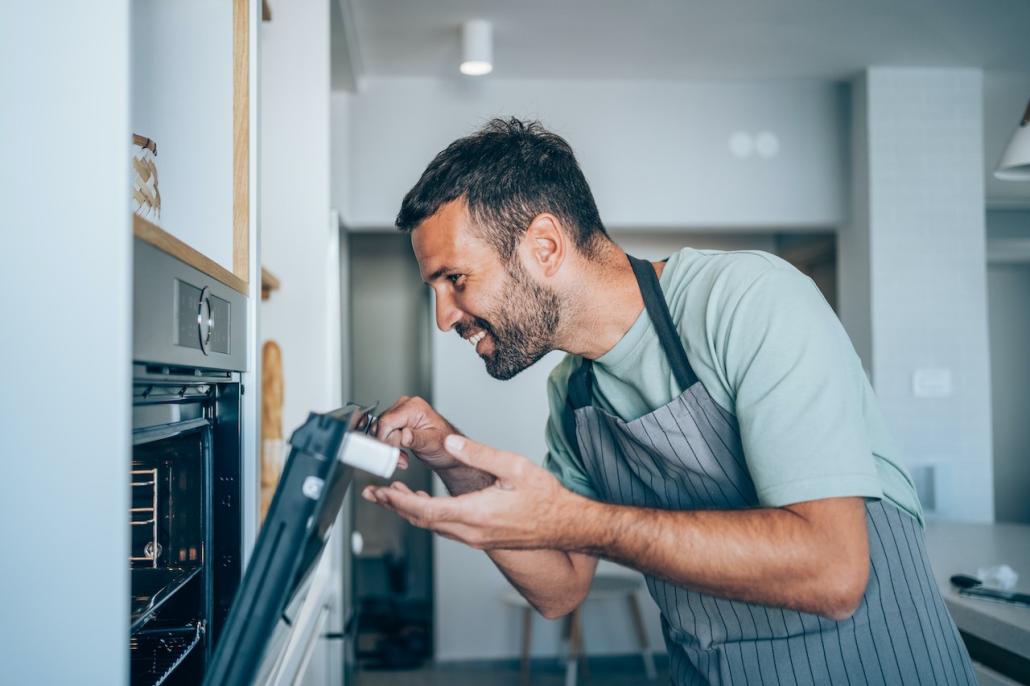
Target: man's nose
x=447, y=315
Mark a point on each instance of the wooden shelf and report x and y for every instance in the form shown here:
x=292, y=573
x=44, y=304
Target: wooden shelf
x=269, y=283
x=162, y=240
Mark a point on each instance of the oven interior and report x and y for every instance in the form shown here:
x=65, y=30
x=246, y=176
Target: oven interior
x=184, y=529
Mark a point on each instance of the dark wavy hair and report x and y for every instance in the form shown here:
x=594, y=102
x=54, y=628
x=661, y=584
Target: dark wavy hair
x=508, y=172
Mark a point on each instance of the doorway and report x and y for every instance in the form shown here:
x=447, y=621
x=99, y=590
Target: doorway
x=389, y=350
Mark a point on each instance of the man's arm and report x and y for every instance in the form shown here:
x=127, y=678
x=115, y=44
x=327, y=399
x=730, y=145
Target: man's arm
x=812, y=556
x=554, y=582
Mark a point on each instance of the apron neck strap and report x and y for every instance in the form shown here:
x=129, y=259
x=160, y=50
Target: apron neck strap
x=581, y=381
x=661, y=319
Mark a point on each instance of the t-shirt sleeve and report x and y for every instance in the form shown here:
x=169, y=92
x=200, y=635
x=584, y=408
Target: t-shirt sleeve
x=797, y=394
x=562, y=459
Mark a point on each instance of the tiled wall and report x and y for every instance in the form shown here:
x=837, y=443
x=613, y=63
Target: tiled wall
x=919, y=208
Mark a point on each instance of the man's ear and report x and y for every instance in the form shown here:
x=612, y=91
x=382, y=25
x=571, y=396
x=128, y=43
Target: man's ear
x=544, y=245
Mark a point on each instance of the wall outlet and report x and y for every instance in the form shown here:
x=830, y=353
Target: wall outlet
x=932, y=383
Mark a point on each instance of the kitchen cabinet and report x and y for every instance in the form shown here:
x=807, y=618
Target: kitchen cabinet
x=191, y=67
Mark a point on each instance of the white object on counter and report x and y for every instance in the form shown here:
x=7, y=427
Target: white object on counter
x=999, y=576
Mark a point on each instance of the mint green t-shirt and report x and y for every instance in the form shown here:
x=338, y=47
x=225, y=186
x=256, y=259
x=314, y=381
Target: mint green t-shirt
x=770, y=351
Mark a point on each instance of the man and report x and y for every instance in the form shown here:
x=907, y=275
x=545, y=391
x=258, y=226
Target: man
x=711, y=427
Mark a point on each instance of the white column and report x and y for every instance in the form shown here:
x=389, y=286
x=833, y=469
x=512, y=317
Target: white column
x=913, y=272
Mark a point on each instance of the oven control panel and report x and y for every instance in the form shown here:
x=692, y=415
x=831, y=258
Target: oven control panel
x=182, y=316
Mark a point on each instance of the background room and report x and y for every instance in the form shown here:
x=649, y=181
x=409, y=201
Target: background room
x=858, y=141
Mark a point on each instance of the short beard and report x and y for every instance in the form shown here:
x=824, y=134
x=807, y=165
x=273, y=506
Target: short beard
x=525, y=325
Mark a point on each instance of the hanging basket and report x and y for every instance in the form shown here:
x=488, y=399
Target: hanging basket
x=146, y=197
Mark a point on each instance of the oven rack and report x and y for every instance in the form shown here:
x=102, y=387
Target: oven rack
x=144, y=489
x=151, y=589
x=154, y=654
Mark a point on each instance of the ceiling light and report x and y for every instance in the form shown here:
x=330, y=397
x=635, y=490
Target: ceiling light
x=477, y=48
x=1015, y=162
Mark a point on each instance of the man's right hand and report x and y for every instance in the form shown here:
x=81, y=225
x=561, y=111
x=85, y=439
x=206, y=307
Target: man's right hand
x=412, y=423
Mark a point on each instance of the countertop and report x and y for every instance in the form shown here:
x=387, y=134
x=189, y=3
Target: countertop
x=959, y=548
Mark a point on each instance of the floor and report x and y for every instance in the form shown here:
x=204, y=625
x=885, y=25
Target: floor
x=600, y=671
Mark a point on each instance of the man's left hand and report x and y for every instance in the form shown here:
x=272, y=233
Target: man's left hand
x=526, y=508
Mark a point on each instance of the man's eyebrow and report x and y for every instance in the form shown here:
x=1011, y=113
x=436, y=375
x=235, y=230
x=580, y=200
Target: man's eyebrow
x=437, y=274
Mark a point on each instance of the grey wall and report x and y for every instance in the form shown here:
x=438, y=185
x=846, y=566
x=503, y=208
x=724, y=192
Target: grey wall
x=656, y=153
x=1008, y=288
x=66, y=284
x=390, y=320
x=915, y=261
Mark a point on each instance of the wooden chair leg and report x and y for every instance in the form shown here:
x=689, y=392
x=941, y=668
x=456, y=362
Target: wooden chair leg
x=645, y=644
x=527, y=635
x=575, y=649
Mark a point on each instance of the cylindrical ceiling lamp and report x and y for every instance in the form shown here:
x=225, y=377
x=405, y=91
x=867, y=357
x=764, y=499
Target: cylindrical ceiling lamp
x=477, y=48
x=1015, y=162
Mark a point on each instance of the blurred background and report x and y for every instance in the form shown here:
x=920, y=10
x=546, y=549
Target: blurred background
x=865, y=142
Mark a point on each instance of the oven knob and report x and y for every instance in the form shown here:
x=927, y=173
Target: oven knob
x=357, y=542
x=205, y=319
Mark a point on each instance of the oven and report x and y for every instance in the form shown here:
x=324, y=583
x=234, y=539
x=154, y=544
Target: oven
x=185, y=515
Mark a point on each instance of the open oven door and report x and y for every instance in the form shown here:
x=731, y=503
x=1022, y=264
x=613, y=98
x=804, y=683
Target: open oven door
x=280, y=604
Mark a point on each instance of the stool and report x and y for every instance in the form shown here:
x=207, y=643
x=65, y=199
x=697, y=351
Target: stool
x=604, y=586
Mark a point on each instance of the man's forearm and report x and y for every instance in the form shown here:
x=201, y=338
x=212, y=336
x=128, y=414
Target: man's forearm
x=553, y=581
x=462, y=479
x=773, y=556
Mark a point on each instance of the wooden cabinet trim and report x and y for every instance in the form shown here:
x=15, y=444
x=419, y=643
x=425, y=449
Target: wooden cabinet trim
x=161, y=239
x=241, y=140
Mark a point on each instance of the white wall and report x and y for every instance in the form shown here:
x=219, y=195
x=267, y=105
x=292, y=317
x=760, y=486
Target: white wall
x=340, y=155
x=195, y=143
x=295, y=201
x=471, y=621
x=300, y=239
x=656, y=153
x=919, y=219
x=65, y=304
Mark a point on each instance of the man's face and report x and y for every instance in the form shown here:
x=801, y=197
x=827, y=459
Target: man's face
x=509, y=318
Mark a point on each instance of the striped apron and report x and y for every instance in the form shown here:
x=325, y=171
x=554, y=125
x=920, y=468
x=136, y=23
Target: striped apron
x=687, y=455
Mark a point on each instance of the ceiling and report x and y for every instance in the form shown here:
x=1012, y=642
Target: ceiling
x=687, y=39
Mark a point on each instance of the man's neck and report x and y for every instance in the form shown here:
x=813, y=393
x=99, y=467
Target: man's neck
x=606, y=303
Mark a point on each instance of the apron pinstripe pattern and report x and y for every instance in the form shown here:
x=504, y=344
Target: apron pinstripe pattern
x=687, y=455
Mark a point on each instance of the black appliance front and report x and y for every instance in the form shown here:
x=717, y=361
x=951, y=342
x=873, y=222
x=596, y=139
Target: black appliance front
x=299, y=521
x=186, y=515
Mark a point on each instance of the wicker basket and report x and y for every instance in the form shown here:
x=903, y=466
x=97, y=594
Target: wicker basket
x=145, y=194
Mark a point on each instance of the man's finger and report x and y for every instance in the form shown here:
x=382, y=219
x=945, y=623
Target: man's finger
x=425, y=510
x=497, y=462
x=398, y=416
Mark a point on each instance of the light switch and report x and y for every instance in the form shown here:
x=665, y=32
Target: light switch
x=932, y=383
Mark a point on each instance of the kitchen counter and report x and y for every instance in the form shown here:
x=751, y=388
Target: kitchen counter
x=959, y=548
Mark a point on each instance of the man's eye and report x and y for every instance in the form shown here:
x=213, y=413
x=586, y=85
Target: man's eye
x=456, y=279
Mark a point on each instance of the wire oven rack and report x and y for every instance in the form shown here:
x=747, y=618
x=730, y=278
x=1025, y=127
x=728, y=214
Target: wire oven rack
x=144, y=489
x=154, y=654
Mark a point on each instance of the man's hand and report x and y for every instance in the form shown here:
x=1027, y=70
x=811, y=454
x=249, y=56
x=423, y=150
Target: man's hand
x=412, y=423
x=525, y=508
